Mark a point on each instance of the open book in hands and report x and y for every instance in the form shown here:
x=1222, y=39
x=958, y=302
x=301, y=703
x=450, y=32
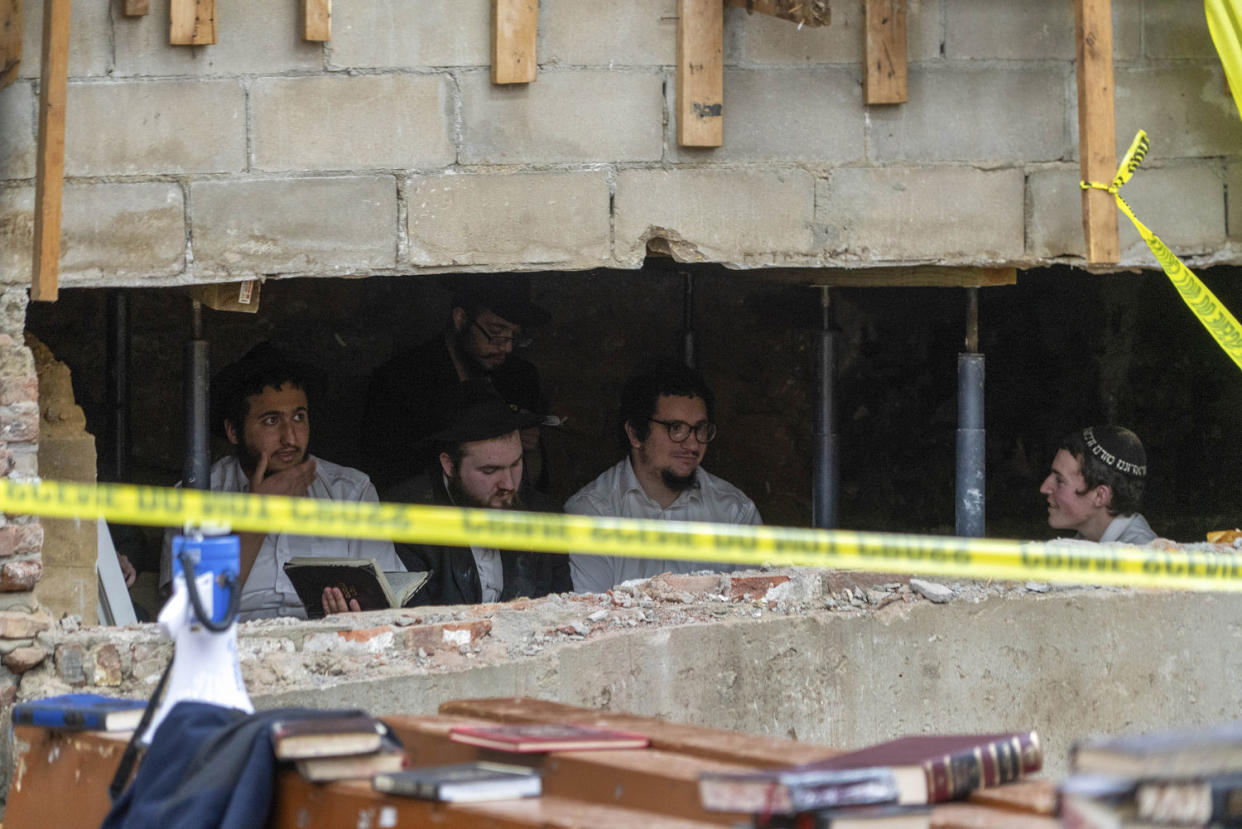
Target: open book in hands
x=356, y=578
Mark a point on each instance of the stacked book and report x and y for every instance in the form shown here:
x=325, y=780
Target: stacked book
x=337, y=748
x=1183, y=778
x=887, y=786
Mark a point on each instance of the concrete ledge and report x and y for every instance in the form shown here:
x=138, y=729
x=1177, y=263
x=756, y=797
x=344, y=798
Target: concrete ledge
x=833, y=658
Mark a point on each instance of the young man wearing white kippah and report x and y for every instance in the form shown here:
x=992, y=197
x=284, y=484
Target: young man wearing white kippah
x=1096, y=484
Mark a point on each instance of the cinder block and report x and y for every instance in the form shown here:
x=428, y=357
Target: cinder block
x=17, y=131
x=1233, y=187
x=158, y=127
x=352, y=122
x=750, y=216
x=251, y=38
x=770, y=40
x=552, y=218
x=990, y=30
x=602, y=33
x=1183, y=204
x=568, y=116
x=392, y=33
x=1185, y=109
x=938, y=125
x=16, y=234
x=304, y=226
x=1174, y=29
x=902, y=214
x=90, y=38
x=769, y=117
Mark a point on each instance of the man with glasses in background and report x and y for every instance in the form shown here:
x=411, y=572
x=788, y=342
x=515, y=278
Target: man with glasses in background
x=486, y=323
x=666, y=424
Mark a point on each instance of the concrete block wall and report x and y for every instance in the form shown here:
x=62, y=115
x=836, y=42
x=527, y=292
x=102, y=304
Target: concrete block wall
x=389, y=151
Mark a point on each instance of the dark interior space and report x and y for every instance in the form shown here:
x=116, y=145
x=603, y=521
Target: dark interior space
x=1064, y=349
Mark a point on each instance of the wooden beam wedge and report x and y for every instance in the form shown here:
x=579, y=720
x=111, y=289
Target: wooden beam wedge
x=515, y=29
x=192, y=22
x=50, y=154
x=1097, y=130
x=700, y=73
x=884, y=75
x=10, y=40
x=317, y=20
x=803, y=12
x=136, y=8
x=918, y=276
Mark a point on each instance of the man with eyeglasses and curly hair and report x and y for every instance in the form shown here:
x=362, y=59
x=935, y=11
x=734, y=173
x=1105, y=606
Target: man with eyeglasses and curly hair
x=488, y=320
x=666, y=424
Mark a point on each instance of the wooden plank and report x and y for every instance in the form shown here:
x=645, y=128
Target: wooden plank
x=1097, y=131
x=700, y=73
x=884, y=77
x=48, y=764
x=136, y=8
x=693, y=740
x=317, y=20
x=230, y=296
x=50, y=154
x=10, y=40
x=802, y=12
x=515, y=24
x=192, y=22
x=632, y=778
x=921, y=276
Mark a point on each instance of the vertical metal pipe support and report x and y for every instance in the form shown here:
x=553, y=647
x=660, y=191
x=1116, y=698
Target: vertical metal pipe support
x=118, y=384
x=826, y=482
x=970, y=503
x=197, y=471
x=687, y=321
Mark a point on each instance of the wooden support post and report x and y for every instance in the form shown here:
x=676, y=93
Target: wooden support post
x=1097, y=131
x=317, y=20
x=50, y=155
x=885, y=54
x=192, y=22
x=515, y=25
x=700, y=73
x=136, y=8
x=10, y=40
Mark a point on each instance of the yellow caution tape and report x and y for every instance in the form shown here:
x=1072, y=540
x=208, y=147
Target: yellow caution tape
x=940, y=556
x=1224, y=18
x=1215, y=317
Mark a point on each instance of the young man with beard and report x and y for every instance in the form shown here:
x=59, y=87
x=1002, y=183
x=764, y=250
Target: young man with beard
x=489, y=316
x=262, y=405
x=479, y=461
x=1096, y=484
x=666, y=417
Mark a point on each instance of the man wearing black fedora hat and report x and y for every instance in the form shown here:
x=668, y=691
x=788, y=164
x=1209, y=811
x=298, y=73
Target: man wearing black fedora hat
x=478, y=463
x=1095, y=486
x=488, y=319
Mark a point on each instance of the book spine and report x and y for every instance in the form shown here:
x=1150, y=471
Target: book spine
x=990, y=764
x=74, y=719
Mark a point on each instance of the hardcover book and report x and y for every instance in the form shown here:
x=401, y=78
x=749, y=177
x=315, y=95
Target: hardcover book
x=81, y=712
x=1165, y=755
x=462, y=782
x=787, y=791
x=864, y=817
x=540, y=737
x=935, y=768
x=356, y=578
x=327, y=737
x=1215, y=800
x=389, y=758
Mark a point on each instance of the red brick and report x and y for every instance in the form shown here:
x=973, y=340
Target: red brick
x=19, y=423
x=18, y=390
x=431, y=637
x=20, y=660
x=363, y=635
x=29, y=538
x=15, y=625
x=8, y=541
x=107, y=661
x=752, y=587
x=20, y=575
x=8, y=693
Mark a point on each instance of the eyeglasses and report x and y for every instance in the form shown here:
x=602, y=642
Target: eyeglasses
x=679, y=430
x=514, y=342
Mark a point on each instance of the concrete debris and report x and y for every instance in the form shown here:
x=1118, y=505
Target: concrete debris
x=932, y=591
x=598, y=616
x=1036, y=587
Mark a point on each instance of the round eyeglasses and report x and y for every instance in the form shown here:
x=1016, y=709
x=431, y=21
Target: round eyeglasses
x=679, y=430
x=492, y=339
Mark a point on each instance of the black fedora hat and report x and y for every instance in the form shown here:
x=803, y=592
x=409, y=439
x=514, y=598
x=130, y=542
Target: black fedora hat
x=474, y=411
x=506, y=295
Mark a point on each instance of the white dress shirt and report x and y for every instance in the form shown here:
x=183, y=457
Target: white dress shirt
x=618, y=494
x=1128, y=529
